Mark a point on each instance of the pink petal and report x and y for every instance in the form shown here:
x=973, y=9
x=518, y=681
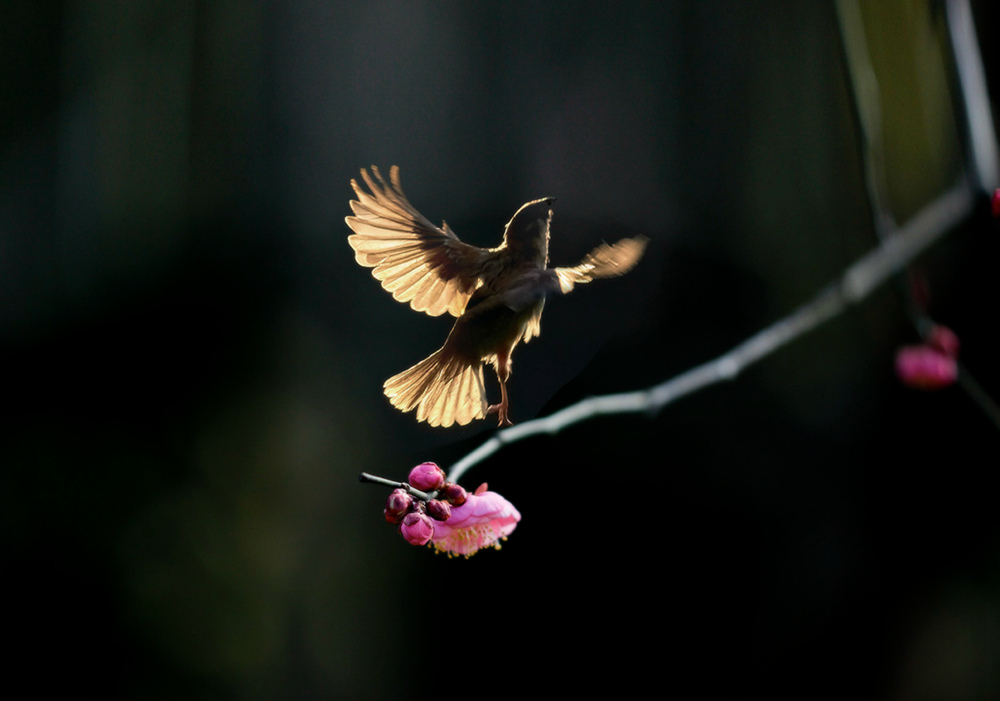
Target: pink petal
x=481, y=522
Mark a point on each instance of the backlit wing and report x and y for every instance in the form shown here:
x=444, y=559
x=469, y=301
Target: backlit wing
x=416, y=261
x=607, y=260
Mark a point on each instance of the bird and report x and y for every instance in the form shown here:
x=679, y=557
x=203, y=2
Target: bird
x=495, y=294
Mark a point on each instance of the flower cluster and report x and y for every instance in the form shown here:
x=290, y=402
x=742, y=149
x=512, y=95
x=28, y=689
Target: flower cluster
x=449, y=518
x=931, y=364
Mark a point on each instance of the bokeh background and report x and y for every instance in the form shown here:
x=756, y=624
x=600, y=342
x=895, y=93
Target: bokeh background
x=193, y=361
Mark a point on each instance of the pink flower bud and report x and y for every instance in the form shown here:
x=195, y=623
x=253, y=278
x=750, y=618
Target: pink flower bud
x=924, y=367
x=397, y=505
x=481, y=522
x=454, y=494
x=438, y=510
x=944, y=339
x=417, y=528
x=426, y=477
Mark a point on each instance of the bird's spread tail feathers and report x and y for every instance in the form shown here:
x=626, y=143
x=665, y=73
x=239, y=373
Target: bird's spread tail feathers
x=443, y=388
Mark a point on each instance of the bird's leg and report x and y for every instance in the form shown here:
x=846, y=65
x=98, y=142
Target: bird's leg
x=503, y=372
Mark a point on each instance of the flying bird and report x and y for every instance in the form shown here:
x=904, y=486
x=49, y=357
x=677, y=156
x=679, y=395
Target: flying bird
x=496, y=294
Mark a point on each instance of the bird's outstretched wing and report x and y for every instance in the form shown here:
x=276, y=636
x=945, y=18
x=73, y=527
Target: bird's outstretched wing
x=607, y=260
x=416, y=261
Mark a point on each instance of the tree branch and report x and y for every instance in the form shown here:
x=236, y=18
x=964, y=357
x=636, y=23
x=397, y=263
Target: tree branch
x=853, y=286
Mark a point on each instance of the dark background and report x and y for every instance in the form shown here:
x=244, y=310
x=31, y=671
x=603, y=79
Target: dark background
x=193, y=361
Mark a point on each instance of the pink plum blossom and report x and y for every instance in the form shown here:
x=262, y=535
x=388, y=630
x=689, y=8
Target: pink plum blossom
x=925, y=367
x=417, y=528
x=427, y=477
x=944, y=339
x=482, y=521
x=439, y=510
x=454, y=494
x=397, y=506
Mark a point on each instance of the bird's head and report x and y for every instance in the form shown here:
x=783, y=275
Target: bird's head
x=528, y=229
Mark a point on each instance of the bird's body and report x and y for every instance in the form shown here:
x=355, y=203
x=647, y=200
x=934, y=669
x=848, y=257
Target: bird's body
x=497, y=294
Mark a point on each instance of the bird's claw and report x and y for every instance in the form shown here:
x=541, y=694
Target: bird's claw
x=501, y=410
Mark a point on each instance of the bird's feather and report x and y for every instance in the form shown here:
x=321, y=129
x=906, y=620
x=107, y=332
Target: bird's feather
x=419, y=263
x=444, y=388
x=607, y=260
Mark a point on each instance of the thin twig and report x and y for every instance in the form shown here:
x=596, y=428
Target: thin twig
x=976, y=119
x=975, y=125
x=375, y=479
x=854, y=285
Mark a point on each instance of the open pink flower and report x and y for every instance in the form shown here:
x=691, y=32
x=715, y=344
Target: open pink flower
x=481, y=522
